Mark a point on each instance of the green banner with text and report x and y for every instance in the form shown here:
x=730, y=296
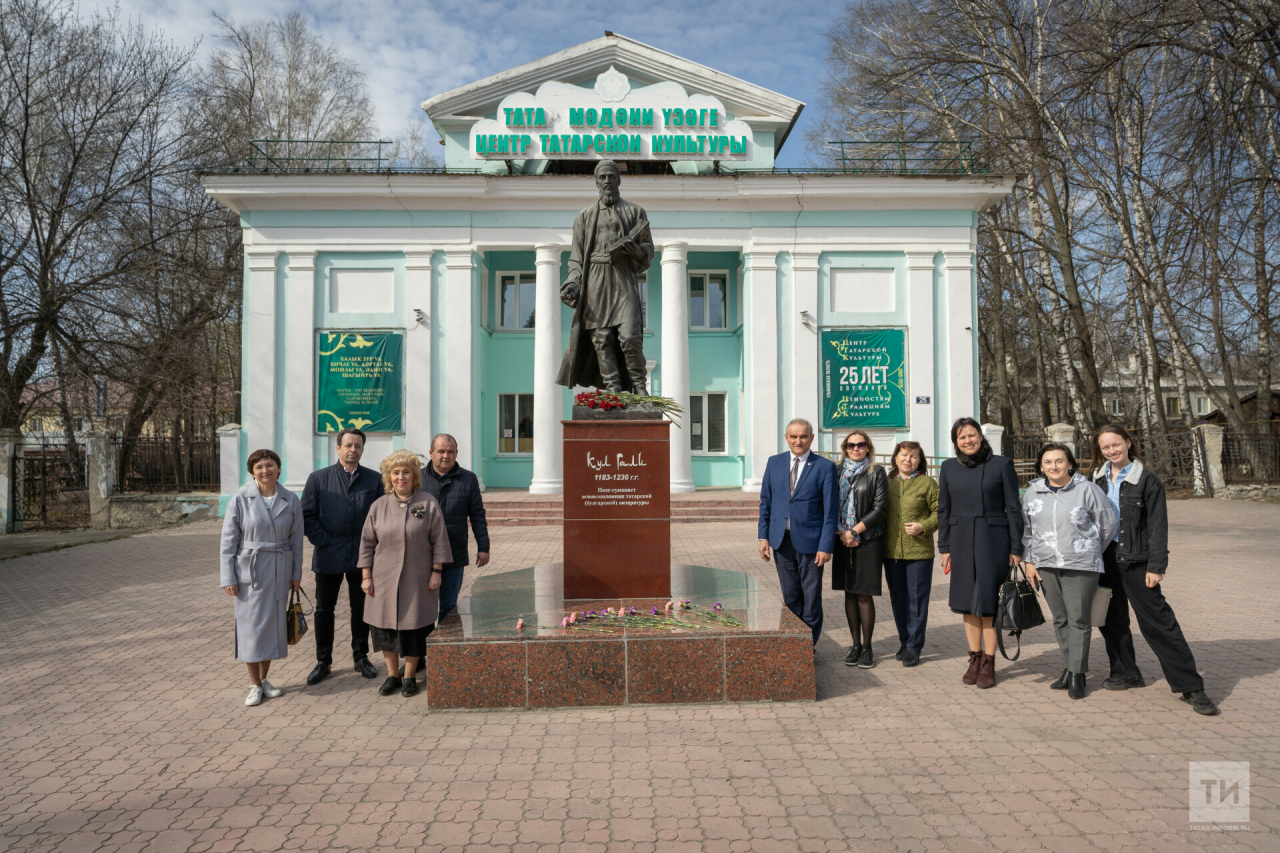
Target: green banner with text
x=361, y=381
x=864, y=378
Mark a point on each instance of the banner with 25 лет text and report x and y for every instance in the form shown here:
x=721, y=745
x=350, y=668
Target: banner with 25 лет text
x=864, y=378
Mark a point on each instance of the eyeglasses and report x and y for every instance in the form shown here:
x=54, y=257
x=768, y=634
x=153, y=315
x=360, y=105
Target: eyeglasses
x=855, y=445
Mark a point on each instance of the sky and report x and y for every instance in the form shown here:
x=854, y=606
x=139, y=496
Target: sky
x=412, y=51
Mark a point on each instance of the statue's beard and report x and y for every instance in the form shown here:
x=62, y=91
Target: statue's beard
x=608, y=198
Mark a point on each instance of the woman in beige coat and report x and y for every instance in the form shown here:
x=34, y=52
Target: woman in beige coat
x=403, y=550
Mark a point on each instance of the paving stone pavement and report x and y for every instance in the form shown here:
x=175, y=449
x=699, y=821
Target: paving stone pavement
x=122, y=728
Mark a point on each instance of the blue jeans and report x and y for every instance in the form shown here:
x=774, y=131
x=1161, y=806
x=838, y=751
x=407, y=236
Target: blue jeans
x=449, y=586
x=910, y=582
x=801, y=580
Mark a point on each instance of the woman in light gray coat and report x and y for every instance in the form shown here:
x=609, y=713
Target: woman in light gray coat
x=261, y=562
x=1069, y=522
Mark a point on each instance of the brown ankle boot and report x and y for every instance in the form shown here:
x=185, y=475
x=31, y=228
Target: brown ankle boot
x=987, y=672
x=971, y=674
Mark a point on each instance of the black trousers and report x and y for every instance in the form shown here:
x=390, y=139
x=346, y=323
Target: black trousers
x=1156, y=620
x=327, y=588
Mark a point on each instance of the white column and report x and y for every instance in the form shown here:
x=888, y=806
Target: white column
x=761, y=271
x=920, y=380
x=548, y=397
x=674, y=362
x=804, y=362
x=417, y=356
x=9, y=443
x=960, y=323
x=460, y=315
x=229, y=471
x=300, y=370
x=994, y=434
x=258, y=404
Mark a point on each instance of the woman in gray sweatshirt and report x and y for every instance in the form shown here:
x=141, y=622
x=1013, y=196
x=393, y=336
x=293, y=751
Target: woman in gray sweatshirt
x=1069, y=522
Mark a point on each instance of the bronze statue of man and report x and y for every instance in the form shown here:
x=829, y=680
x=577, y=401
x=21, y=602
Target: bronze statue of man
x=612, y=246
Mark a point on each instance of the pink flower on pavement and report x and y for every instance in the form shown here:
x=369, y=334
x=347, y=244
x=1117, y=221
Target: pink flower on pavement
x=670, y=604
x=519, y=624
x=564, y=623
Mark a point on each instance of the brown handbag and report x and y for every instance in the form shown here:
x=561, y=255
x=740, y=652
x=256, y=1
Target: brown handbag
x=295, y=619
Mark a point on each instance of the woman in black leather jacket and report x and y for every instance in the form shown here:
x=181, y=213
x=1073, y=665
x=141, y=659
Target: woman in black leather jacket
x=858, y=564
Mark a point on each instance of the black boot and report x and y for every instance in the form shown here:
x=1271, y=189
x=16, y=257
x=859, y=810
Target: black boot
x=1061, y=683
x=1075, y=688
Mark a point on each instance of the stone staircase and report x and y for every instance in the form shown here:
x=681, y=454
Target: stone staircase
x=509, y=509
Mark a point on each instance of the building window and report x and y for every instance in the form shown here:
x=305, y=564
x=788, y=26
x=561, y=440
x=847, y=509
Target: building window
x=1114, y=406
x=708, y=423
x=1202, y=405
x=1172, y=407
x=515, y=300
x=708, y=301
x=515, y=423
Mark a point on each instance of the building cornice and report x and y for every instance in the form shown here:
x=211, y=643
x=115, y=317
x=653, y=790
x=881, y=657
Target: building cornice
x=735, y=192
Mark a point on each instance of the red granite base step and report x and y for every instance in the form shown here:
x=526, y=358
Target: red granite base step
x=478, y=658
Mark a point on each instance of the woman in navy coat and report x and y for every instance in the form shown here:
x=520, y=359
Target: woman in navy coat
x=980, y=537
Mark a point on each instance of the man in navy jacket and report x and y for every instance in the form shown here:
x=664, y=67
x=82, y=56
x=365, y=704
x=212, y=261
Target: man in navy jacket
x=335, y=504
x=458, y=491
x=799, y=504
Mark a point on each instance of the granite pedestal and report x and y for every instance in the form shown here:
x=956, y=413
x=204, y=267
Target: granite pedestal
x=617, y=507
x=478, y=658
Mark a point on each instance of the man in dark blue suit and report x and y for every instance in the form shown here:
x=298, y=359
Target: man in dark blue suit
x=799, y=503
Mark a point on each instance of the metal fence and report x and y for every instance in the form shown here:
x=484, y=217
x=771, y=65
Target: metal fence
x=1250, y=459
x=50, y=487
x=907, y=157
x=1177, y=456
x=166, y=464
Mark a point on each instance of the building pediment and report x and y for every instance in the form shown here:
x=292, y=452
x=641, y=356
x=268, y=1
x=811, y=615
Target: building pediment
x=642, y=65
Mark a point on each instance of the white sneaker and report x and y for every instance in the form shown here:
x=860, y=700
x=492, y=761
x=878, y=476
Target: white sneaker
x=270, y=691
x=255, y=696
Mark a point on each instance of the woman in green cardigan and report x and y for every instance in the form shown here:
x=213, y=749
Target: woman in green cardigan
x=910, y=522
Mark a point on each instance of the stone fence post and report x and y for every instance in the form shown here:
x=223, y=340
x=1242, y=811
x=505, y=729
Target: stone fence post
x=994, y=434
x=1062, y=434
x=100, y=448
x=9, y=441
x=229, y=471
x=1212, y=436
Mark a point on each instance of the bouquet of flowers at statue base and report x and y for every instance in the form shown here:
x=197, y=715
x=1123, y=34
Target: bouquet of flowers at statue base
x=609, y=400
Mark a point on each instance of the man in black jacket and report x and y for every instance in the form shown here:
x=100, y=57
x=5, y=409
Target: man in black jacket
x=458, y=491
x=335, y=503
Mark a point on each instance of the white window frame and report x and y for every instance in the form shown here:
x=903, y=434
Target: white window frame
x=1204, y=405
x=498, y=426
x=706, y=432
x=497, y=298
x=706, y=274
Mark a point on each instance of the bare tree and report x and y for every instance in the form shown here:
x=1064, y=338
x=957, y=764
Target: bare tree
x=85, y=110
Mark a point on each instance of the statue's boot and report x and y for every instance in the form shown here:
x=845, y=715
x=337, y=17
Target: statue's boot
x=633, y=351
x=607, y=358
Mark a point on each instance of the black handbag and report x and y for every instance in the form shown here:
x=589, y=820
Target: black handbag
x=1017, y=610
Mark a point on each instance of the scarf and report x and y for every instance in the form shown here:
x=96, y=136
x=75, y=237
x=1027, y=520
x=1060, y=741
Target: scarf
x=848, y=508
x=983, y=455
